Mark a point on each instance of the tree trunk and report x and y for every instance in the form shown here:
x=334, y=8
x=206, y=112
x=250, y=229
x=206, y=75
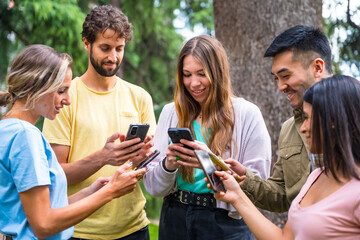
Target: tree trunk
x=246, y=29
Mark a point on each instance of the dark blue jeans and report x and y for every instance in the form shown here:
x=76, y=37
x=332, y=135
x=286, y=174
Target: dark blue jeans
x=179, y=221
x=142, y=234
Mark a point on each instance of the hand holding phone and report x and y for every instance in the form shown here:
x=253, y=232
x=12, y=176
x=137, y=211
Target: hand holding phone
x=148, y=160
x=209, y=170
x=219, y=162
x=176, y=134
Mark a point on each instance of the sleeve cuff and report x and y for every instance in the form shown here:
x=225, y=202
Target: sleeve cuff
x=165, y=169
x=247, y=185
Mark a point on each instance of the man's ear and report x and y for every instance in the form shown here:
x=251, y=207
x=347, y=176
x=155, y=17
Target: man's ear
x=318, y=69
x=87, y=45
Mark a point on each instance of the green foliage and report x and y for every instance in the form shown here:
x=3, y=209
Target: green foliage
x=199, y=12
x=150, y=59
x=151, y=56
x=54, y=23
x=345, y=32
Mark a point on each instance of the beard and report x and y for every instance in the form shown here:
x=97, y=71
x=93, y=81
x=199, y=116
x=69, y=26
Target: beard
x=100, y=70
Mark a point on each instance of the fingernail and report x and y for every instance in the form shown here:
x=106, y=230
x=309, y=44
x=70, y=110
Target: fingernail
x=130, y=163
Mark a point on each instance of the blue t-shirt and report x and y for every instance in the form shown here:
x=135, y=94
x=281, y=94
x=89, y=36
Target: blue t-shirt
x=199, y=186
x=26, y=161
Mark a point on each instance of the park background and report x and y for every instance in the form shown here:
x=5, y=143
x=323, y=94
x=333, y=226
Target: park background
x=246, y=28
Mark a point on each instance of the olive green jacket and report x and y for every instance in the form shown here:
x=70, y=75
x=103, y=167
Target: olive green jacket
x=289, y=172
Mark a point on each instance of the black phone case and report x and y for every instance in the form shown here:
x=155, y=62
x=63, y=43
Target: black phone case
x=176, y=134
x=137, y=130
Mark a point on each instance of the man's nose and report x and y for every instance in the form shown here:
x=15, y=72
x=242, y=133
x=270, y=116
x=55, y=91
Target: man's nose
x=112, y=55
x=281, y=85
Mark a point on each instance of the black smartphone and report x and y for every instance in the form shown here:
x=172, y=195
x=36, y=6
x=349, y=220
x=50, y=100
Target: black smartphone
x=148, y=160
x=176, y=134
x=137, y=130
x=209, y=170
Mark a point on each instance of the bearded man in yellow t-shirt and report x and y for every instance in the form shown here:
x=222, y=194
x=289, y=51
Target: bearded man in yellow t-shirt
x=86, y=135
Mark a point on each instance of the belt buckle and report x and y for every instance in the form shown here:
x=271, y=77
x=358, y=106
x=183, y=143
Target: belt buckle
x=181, y=197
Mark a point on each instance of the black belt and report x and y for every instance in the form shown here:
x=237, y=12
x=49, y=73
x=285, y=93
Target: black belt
x=190, y=198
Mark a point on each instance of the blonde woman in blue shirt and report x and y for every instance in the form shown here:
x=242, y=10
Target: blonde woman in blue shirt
x=33, y=186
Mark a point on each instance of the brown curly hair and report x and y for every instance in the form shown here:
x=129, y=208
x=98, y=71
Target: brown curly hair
x=102, y=18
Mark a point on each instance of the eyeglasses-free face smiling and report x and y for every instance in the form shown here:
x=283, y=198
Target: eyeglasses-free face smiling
x=50, y=104
x=291, y=77
x=195, y=80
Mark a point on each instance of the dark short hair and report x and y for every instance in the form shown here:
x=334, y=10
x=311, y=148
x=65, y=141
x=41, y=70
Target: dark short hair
x=302, y=39
x=102, y=18
x=336, y=123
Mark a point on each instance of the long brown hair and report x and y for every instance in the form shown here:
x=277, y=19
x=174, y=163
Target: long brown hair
x=217, y=110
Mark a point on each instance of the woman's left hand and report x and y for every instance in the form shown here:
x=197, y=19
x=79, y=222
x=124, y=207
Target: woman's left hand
x=187, y=156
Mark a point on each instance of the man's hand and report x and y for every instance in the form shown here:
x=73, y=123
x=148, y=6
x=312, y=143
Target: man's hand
x=115, y=153
x=237, y=167
x=144, y=152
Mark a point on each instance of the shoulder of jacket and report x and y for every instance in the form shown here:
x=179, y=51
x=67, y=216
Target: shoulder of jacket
x=288, y=123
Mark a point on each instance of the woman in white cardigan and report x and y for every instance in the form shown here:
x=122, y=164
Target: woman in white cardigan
x=221, y=123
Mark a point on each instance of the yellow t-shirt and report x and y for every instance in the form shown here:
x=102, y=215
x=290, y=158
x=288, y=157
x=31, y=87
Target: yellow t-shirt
x=84, y=126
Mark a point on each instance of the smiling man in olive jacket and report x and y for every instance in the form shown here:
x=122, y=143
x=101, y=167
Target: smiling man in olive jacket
x=301, y=57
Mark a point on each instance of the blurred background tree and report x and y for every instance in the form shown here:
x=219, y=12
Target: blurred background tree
x=54, y=23
x=342, y=26
x=150, y=58
x=160, y=27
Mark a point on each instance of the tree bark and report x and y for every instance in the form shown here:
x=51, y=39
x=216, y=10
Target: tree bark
x=246, y=29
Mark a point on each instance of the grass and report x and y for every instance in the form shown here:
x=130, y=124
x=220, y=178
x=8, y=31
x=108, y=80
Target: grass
x=153, y=230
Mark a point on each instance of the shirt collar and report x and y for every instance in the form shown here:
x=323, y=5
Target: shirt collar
x=298, y=114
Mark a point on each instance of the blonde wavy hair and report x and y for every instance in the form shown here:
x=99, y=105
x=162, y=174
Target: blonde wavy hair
x=35, y=71
x=217, y=113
